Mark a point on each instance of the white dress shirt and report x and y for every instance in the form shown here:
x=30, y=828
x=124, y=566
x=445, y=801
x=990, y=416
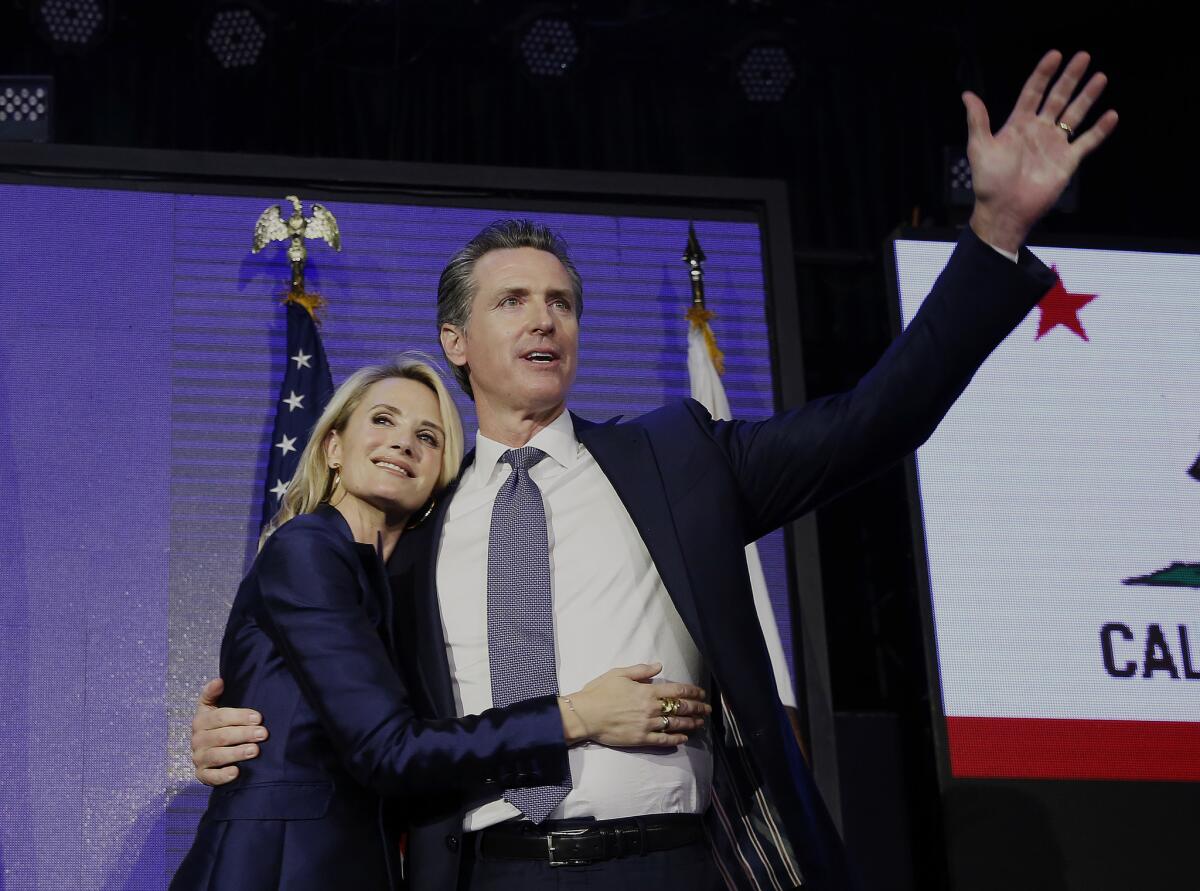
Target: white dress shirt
x=611, y=609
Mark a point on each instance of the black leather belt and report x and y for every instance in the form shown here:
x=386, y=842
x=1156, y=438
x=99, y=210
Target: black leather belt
x=577, y=843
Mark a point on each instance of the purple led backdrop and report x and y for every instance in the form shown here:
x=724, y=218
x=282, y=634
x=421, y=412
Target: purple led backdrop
x=140, y=357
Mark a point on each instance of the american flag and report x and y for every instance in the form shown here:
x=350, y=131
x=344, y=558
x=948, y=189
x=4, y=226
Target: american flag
x=307, y=386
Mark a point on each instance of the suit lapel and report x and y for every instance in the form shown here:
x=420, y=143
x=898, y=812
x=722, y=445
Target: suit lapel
x=374, y=575
x=372, y=562
x=415, y=577
x=627, y=458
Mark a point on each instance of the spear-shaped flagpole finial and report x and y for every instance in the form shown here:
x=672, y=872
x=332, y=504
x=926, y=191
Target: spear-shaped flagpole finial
x=698, y=314
x=693, y=255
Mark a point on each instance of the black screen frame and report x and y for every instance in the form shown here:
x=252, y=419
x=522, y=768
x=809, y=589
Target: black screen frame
x=508, y=188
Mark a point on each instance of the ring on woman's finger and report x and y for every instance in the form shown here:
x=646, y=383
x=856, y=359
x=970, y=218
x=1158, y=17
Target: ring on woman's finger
x=1067, y=128
x=669, y=706
x=666, y=723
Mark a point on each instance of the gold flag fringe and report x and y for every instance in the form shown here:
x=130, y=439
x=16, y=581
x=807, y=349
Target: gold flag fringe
x=312, y=303
x=699, y=317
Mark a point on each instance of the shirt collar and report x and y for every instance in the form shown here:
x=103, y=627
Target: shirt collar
x=556, y=439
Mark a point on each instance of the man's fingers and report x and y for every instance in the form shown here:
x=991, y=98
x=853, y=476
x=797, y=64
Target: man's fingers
x=1064, y=88
x=220, y=737
x=211, y=694
x=1034, y=90
x=205, y=759
x=1091, y=138
x=979, y=126
x=217, y=776
x=225, y=717
x=1074, y=113
x=208, y=758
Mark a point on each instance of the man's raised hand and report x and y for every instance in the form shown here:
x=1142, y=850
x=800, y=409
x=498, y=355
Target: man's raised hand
x=1019, y=172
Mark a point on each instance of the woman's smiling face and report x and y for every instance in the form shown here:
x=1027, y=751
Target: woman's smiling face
x=389, y=454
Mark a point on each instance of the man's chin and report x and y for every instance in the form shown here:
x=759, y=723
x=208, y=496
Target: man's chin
x=547, y=409
x=545, y=387
x=546, y=405
x=538, y=394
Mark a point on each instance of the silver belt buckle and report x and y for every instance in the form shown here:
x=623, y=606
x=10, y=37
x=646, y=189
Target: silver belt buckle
x=563, y=833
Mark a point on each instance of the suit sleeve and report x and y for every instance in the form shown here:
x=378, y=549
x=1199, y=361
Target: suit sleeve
x=312, y=609
x=800, y=459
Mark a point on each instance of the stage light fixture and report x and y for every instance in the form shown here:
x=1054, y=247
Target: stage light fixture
x=960, y=188
x=70, y=24
x=236, y=37
x=765, y=73
x=25, y=107
x=549, y=46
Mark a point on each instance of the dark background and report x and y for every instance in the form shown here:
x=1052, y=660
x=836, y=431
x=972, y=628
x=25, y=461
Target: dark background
x=858, y=138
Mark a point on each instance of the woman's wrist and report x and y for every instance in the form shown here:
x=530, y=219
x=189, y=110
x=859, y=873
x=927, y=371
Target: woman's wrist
x=574, y=729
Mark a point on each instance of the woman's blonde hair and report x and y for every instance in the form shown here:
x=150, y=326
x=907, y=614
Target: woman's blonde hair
x=312, y=483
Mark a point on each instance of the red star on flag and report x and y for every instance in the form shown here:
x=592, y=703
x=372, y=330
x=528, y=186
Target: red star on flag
x=1061, y=307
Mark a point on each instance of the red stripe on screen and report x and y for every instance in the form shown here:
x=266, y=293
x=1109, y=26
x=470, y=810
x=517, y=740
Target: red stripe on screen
x=1073, y=749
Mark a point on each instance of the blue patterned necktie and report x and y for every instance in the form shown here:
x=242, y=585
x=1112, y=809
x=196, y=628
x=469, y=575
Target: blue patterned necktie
x=520, y=608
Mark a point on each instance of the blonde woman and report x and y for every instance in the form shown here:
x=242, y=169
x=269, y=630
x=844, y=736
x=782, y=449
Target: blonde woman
x=308, y=644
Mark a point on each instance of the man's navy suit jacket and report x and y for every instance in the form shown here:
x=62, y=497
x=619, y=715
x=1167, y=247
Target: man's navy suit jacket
x=698, y=491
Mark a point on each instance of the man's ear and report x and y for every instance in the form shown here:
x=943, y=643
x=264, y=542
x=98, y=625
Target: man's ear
x=454, y=343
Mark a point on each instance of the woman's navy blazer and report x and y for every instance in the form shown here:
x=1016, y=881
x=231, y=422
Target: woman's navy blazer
x=308, y=645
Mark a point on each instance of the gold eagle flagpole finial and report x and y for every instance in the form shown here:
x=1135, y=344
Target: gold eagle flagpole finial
x=271, y=226
x=698, y=313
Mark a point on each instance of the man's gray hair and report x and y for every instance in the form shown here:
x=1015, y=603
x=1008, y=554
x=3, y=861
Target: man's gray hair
x=456, y=287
